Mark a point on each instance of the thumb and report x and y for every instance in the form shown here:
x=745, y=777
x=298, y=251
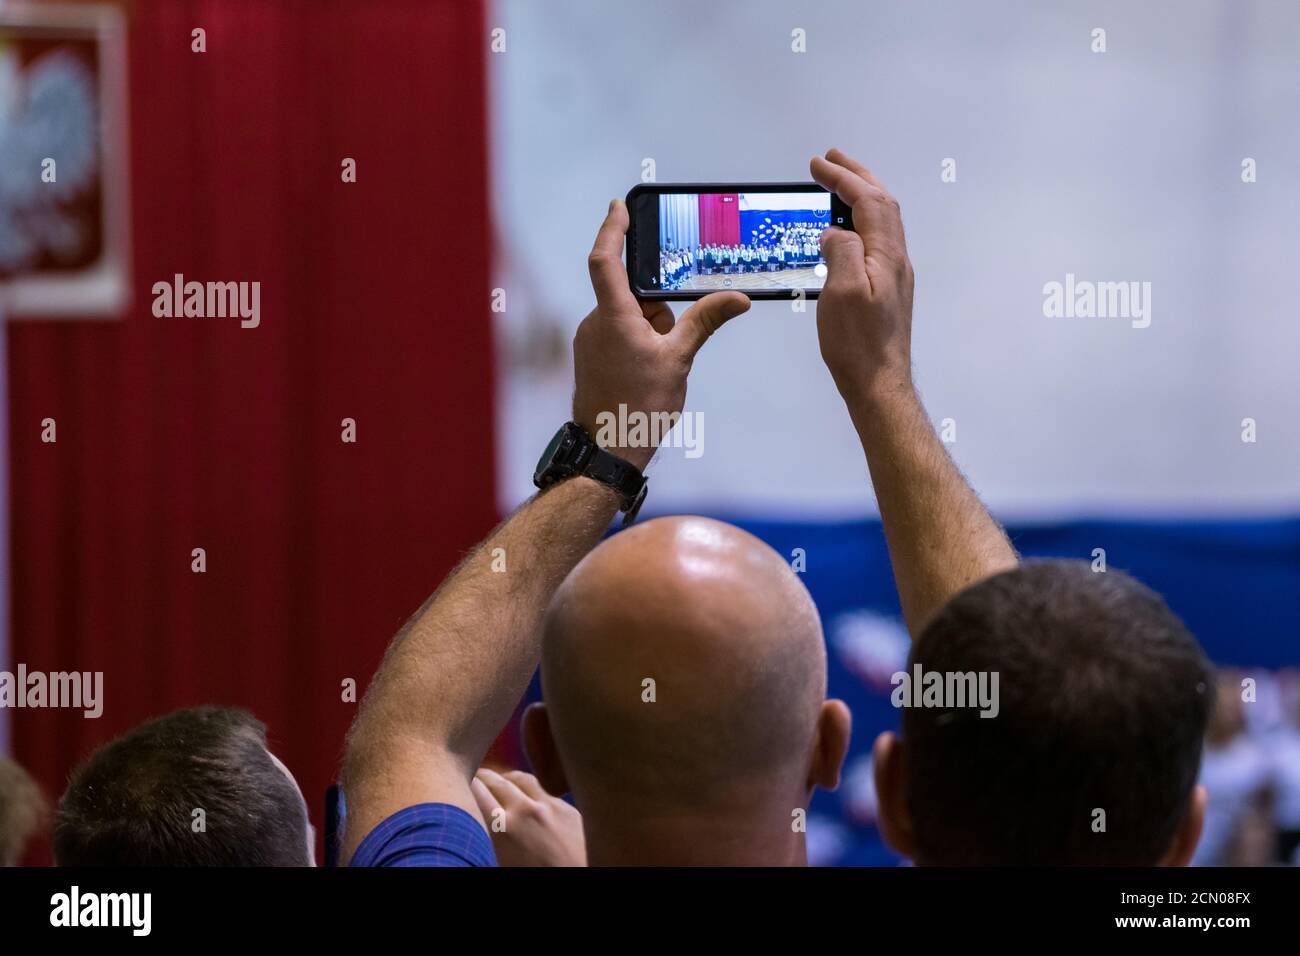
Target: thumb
x=705, y=317
x=843, y=252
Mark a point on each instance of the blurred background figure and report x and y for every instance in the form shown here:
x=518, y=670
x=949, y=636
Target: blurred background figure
x=1237, y=772
x=24, y=812
x=1284, y=749
x=1251, y=768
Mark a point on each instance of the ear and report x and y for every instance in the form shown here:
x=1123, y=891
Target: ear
x=1188, y=833
x=539, y=747
x=831, y=745
x=891, y=795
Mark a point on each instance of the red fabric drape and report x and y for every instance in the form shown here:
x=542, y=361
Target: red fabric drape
x=719, y=218
x=175, y=434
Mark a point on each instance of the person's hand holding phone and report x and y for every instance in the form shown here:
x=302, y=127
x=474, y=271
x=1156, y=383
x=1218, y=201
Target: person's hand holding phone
x=864, y=315
x=636, y=354
x=941, y=537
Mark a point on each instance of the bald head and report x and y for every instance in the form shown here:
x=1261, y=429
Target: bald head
x=683, y=664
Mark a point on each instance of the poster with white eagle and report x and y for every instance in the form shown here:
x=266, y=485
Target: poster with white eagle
x=64, y=204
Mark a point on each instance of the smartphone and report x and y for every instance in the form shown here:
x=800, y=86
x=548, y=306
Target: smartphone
x=686, y=240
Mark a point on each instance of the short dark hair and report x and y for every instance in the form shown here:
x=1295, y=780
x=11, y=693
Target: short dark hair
x=1104, y=697
x=132, y=802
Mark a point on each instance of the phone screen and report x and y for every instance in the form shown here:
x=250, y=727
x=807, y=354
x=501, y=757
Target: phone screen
x=763, y=242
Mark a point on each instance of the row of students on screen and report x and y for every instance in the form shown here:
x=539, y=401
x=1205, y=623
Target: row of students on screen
x=676, y=266
x=795, y=245
x=759, y=256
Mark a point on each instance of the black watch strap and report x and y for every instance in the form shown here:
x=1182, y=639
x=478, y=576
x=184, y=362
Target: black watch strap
x=573, y=452
x=623, y=476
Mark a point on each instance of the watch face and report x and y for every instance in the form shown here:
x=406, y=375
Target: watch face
x=554, y=460
x=550, y=450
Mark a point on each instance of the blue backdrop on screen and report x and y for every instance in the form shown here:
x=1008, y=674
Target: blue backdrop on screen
x=761, y=221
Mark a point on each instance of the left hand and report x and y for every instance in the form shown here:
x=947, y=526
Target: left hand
x=539, y=829
x=636, y=354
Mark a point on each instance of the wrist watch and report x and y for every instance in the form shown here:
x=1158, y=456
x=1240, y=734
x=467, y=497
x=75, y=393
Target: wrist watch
x=573, y=452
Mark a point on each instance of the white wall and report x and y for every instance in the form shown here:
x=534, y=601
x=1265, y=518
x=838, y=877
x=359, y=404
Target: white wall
x=1116, y=166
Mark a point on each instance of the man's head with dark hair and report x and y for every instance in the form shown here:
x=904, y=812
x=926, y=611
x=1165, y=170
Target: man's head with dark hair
x=194, y=788
x=1093, y=754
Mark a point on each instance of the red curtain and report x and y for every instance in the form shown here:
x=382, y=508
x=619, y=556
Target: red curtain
x=719, y=218
x=176, y=434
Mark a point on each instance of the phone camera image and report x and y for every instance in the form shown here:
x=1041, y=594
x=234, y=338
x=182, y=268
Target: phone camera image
x=747, y=241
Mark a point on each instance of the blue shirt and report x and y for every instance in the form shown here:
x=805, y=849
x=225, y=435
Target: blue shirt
x=427, y=834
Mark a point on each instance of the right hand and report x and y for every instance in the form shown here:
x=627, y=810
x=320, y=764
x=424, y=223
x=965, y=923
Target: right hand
x=634, y=354
x=864, y=313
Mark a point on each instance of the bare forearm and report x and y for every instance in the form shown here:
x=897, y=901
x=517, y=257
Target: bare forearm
x=452, y=677
x=941, y=537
